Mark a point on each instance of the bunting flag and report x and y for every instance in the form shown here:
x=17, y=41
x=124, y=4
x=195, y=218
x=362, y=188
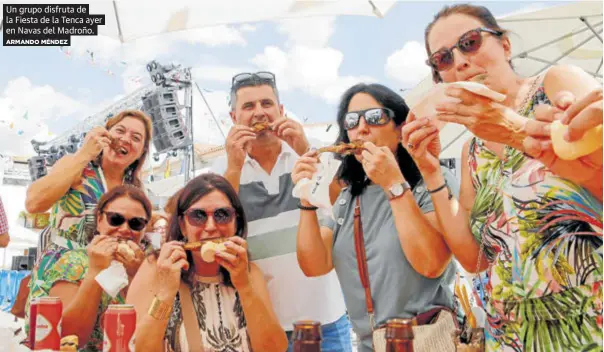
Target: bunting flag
x=168, y=171
x=20, y=132
x=12, y=125
x=25, y=116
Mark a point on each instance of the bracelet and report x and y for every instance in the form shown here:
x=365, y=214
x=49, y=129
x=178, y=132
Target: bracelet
x=302, y=207
x=159, y=310
x=445, y=185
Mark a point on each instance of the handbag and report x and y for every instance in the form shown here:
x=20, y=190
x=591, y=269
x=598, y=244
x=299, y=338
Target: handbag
x=433, y=330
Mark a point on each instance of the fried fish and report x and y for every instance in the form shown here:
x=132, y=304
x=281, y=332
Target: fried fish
x=344, y=148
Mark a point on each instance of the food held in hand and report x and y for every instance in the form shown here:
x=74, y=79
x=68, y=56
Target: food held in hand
x=124, y=249
x=589, y=143
x=479, y=89
x=354, y=147
x=69, y=343
x=209, y=250
x=261, y=127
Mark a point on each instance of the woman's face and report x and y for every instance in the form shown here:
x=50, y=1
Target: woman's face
x=387, y=135
x=491, y=59
x=209, y=217
x=111, y=220
x=130, y=134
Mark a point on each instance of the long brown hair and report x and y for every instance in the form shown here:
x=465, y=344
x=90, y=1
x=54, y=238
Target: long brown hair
x=129, y=191
x=133, y=171
x=480, y=13
x=196, y=189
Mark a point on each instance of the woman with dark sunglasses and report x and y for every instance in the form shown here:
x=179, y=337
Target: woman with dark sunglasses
x=536, y=233
x=184, y=303
x=121, y=217
x=409, y=265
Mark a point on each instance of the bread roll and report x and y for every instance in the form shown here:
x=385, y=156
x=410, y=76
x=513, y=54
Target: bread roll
x=589, y=143
x=124, y=249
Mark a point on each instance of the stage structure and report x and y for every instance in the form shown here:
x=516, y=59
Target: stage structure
x=172, y=121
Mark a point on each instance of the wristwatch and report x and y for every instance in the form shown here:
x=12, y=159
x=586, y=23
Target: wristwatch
x=398, y=189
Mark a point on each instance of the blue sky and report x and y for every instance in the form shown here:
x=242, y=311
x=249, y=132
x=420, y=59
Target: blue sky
x=314, y=59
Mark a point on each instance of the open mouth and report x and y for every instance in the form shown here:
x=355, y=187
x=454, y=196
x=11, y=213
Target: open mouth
x=122, y=151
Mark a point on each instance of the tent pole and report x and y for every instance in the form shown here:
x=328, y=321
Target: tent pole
x=584, y=20
x=550, y=63
x=524, y=53
x=117, y=19
x=210, y=110
x=453, y=141
x=564, y=54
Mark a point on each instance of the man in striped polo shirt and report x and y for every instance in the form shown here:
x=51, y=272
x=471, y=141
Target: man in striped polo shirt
x=258, y=165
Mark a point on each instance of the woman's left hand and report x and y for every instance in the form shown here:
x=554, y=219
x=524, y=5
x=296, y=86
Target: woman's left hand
x=381, y=166
x=131, y=263
x=486, y=119
x=235, y=260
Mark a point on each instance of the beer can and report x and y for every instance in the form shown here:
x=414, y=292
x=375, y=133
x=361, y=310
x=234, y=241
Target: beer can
x=48, y=316
x=33, y=311
x=119, y=325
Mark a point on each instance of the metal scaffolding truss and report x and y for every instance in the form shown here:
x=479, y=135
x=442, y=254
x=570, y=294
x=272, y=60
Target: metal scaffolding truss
x=131, y=101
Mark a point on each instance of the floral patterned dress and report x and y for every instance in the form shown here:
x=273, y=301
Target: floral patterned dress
x=542, y=235
x=71, y=226
x=72, y=267
x=222, y=325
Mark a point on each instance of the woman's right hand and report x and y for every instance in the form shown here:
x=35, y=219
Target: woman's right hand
x=422, y=142
x=306, y=166
x=101, y=251
x=171, y=262
x=95, y=141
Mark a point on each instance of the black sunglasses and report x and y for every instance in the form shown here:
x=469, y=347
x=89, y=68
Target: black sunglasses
x=261, y=77
x=199, y=217
x=468, y=43
x=374, y=117
x=117, y=219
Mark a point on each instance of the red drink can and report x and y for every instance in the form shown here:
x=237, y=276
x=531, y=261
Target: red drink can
x=119, y=325
x=33, y=311
x=48, y=315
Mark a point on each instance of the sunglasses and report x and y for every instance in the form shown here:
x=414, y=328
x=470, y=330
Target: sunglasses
x=373, y=117
x=199, y=217
x=468, y=43
x=117, y=219
x=261, y=77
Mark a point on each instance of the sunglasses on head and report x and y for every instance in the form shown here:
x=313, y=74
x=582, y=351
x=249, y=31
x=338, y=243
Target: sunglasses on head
x=373, y=117
x=261, y=77
x=117, y=219
x=199, y=217
x=468, y=43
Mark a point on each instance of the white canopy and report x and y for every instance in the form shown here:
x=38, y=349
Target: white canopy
x=567, y=34
x=127, y=20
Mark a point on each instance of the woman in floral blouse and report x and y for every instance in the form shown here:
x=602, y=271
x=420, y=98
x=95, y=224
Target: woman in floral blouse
x=537, y=233
x=122, y=214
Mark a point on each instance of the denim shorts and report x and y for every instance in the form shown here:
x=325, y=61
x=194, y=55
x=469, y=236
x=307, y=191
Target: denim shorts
x=336, y=336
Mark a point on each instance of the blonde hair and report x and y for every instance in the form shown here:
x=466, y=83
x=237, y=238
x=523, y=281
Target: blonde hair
x=133, y=171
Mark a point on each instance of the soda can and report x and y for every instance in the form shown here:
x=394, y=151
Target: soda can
x=119, y=325
x=33, y=312
x=48, y=316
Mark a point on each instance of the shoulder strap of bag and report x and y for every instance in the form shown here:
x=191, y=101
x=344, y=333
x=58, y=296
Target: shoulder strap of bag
x=359, y=247
x=190, y=319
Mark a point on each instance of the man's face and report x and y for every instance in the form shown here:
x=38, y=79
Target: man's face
x=256, y=104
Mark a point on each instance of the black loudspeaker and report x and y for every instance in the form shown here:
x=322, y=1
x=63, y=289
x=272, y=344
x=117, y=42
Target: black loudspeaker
x=169, y=127
x=37, y=167
x=22, y=262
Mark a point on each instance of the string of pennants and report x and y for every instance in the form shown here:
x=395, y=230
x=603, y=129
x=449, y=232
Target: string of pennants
x=91, y=60
x=15, y=126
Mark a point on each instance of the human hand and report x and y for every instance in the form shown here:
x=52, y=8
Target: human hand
x=235, y=261
x=381, y=166
x=292, y=133
x=422, y=141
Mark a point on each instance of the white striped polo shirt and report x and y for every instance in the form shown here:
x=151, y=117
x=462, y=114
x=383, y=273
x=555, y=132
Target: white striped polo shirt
x=273, y=218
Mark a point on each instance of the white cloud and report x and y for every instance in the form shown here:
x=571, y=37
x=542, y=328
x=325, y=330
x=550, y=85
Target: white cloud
x=312, y=31
x=312, y=70
x=25, y=109
x=248, y=27
x=217, y=73
x=213, y=36
x=407, y=65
